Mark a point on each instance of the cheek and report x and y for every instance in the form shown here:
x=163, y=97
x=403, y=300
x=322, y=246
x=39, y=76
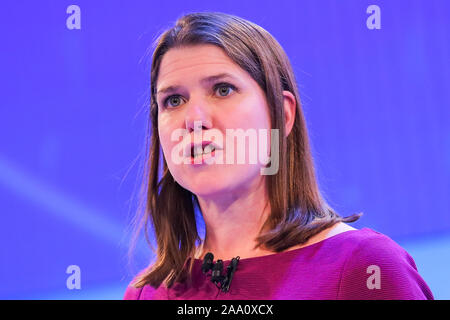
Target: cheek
x=251, y=112
x=257, y=117
x=165, y=135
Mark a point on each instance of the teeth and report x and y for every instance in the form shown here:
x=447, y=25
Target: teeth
x=200, y=151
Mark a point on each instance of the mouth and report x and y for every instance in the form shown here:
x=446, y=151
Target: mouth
x=202, y=151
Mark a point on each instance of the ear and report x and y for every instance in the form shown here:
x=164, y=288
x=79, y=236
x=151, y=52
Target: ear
x=290, y=106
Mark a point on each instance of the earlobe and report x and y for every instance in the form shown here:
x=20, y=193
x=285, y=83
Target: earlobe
x=290, y=106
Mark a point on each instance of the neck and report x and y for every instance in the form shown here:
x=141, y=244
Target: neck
x=233, y=221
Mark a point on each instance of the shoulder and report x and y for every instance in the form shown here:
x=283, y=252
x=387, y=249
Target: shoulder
x=369, y=242
x=133, y=293
x=146, y=292
x=377, y=267
x=373, y=247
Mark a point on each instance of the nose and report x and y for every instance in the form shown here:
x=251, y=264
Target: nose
x=198, y=116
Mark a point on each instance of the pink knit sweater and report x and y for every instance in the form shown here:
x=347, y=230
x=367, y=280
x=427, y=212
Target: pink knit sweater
x=357, y=264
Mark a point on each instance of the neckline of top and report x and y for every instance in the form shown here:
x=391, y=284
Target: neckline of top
x=294, y=250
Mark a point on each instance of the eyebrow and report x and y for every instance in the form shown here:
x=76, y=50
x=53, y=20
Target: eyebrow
x=206, y=80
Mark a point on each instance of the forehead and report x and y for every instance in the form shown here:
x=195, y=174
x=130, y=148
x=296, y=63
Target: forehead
x=195, y=61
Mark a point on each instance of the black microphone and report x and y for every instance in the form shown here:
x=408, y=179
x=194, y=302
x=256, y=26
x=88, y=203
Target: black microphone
x=217, y=269
x=216, y=275
x=207, y=262
x=231, y=269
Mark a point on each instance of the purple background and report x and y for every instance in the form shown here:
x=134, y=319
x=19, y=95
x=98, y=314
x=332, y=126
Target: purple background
x=72, y=124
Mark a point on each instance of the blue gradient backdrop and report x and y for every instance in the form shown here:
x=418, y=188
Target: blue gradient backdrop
x=377, y=104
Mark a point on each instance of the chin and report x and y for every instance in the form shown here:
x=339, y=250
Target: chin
x=217, y=180
x=207, y=187
x=208, y=184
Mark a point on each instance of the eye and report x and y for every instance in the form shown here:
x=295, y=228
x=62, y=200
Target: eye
x=173, y=101
x=224, y=89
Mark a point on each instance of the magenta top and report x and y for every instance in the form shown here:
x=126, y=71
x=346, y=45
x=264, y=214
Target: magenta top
x=356, y=264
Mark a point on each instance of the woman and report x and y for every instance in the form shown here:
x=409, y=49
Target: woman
x=215, y=79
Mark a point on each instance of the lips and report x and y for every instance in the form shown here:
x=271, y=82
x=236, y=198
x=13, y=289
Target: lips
x=192, y=149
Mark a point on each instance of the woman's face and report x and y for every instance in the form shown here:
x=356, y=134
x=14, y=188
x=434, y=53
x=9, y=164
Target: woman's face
x=201, y=95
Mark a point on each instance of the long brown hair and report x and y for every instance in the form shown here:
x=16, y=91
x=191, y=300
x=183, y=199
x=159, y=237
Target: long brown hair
x=298, y=210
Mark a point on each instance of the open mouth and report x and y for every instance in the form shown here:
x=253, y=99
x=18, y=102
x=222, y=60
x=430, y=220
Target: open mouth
x=197, y=152
x=200, y=152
